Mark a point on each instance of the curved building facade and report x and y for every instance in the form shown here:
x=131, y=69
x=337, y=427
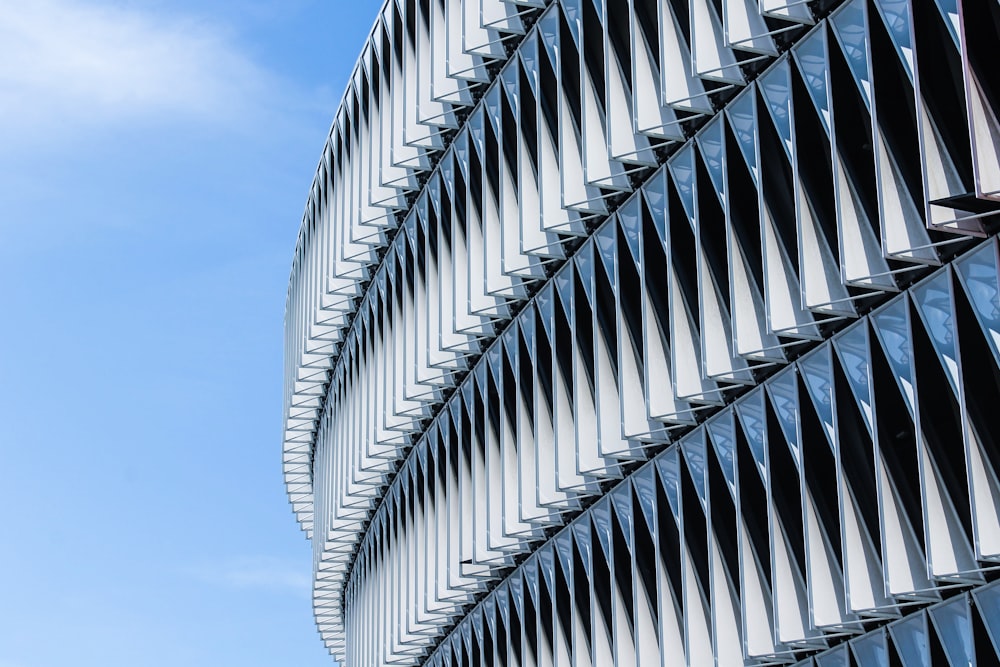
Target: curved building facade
x=652, y=333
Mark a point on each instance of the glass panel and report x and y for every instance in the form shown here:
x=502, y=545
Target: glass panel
x=776, y=89
x=489, y=613
x=742, y=113
x=585, y=268
x=645, y=490
x=564, y=550
x=621, y=500
x=694, y=454
x=783, y=390
x=723, y=437
x=600, y=514
x=571, y=8
x=954, y=628
x=850, y=25
x=546, y=565
x=949, y=12
x=892, y=327
x=838, y=657
x=516, y=587
x=631, y=224
x=682, y=170
x=752, y=417
x=467, y=634
x=988, y=604
x=812, y=58
x=978, y=273
x=606, y=248
x=817, y=371
x=910, y=638
x=871, y=650
x=896, y=16
x=855, y=357
x=544, y=304
x=655, y=192
x=933, y=299
x=667, y=465
x=583, y=538
x=712, y=142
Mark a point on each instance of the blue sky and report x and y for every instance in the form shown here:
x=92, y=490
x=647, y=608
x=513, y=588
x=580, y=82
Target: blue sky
x=154, y=162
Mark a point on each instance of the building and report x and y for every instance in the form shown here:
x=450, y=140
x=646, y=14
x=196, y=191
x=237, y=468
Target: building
x=655, y=332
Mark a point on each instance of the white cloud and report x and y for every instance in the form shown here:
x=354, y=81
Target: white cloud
x=69, y=64
x=258, y=573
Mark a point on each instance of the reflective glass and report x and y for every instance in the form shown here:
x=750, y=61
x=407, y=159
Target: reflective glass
x=980, y=277
x=954, y=629
x=911, y=641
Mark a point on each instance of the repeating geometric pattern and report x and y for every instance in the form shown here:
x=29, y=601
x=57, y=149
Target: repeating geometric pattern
x=654, y=332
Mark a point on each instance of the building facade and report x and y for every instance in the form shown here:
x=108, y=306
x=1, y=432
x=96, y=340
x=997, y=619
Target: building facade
x=653, y=333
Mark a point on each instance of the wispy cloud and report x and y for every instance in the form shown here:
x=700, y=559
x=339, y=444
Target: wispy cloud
x=257, y=573
x=66, y=64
